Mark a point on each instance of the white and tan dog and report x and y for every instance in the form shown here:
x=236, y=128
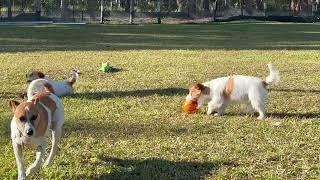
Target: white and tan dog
x=224, y=91
x=31, y=124
x=40, y=83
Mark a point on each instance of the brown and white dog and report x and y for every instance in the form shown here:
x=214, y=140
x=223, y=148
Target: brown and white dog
x=224, y=91
x=39, y=82
x=31, y=124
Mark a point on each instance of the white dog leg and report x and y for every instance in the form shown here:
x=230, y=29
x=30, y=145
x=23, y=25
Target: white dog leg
x=39, y=158
x=211, y=107
x=220, y=110
x=17, y=149
x=55, y=140
x=257, y=98
x=259, y=107
x=216, y=104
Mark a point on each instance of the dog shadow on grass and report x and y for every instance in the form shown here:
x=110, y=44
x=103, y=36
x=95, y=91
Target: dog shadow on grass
x=311, y=115
x=155, y=168
x=297, y=90
x=133, y=93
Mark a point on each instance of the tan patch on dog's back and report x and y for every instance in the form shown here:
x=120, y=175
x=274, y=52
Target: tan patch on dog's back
x=48, y=87
x=45, y=99
x=228, y=89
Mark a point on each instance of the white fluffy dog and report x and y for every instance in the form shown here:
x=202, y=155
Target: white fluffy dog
x=40, y=83
x=224, y=91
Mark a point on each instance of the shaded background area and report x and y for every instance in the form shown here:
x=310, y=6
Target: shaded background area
x=228, y=36
x=147, y=11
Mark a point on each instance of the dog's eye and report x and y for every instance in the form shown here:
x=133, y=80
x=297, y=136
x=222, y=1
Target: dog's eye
x=34, y=117
x=21, y=118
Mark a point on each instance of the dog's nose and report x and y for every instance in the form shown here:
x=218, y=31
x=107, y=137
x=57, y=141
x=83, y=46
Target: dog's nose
x=30, y=132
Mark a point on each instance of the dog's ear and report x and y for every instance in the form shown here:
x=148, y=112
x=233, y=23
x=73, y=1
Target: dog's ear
x=204, y=89
x=199, y=86
x=13, y=105
x=41, y=75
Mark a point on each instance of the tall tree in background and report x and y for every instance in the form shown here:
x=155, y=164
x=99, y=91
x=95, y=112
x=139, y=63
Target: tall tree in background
x=295, y=6
x=181, y=4
x=206, y=5
x=131, y=11
x=214, y=9
x=9, y=9
x=64, y=6
x=38, y=9
x=249, y=6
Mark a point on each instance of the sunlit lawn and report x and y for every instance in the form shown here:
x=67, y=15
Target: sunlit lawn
x=129, y=124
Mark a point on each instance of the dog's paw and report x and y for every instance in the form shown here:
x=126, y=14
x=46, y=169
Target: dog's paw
x=217, y=114
x=47, y=163
x=30, y=171
x=260, y=117
x=22, y=178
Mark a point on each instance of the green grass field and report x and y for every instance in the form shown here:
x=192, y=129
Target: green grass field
x=129, y=124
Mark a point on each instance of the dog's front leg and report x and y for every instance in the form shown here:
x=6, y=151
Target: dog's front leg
x=211, y=107
x=39, y=158
x=17, y=149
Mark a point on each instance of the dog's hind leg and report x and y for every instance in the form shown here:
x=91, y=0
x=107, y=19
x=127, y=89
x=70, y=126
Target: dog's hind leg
x=257, y=100
x=39, y=158
x=56, y=135
x=58, y=119
x=220, y=110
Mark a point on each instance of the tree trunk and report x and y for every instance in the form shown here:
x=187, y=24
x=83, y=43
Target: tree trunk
x=249, y=7
x=295, y=6
x=64, y=4
x=38, y=9
x=101, y=12
x=159, y=2
x=9, y=9
x=131, y=11
x=127, y=6
x=206, y=5
x=179, y=5
x=192, y=6
x=198, y=6
x=241, y=7
x=214, y=13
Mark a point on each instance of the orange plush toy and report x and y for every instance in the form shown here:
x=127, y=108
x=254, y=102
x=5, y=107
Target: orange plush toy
x=190, y=107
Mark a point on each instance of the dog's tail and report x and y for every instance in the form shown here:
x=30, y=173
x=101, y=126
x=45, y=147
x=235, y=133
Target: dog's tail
x=274, y=76
x=75, y=75
x=38, y=86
